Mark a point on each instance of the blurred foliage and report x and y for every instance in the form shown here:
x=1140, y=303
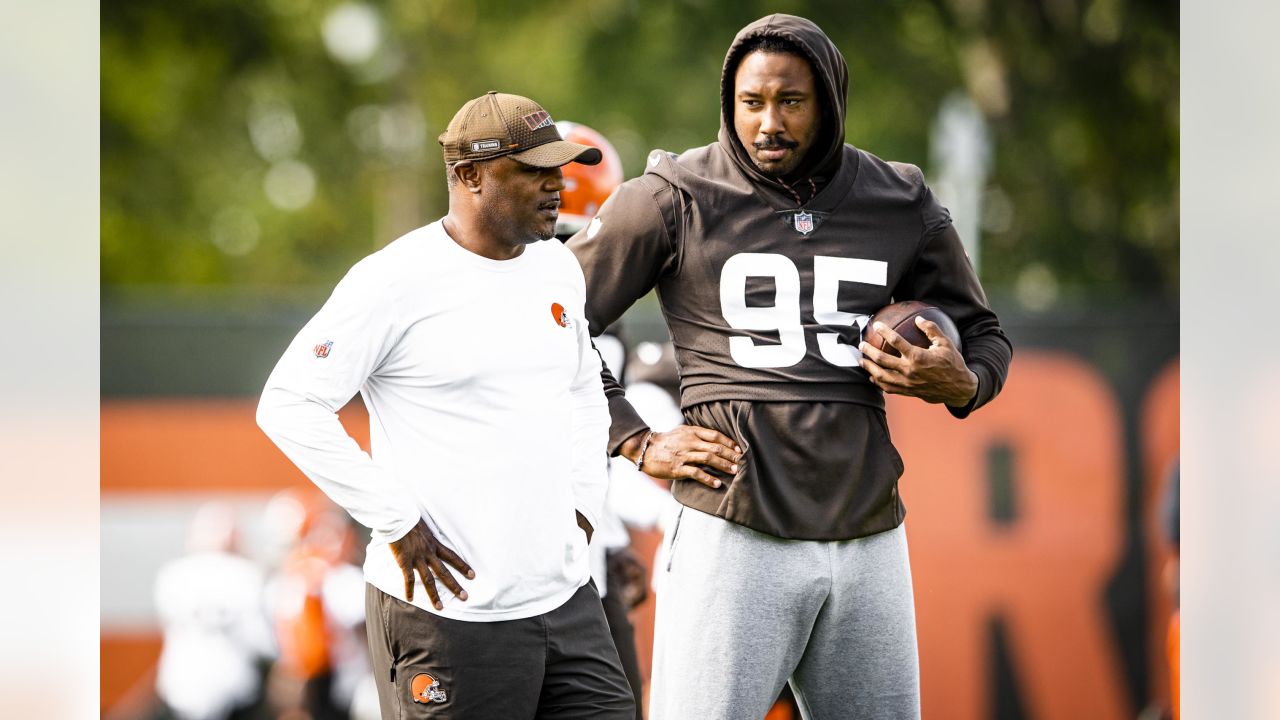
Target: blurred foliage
x=248, y=144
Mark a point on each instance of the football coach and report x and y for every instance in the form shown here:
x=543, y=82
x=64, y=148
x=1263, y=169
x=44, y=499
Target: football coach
x=460, y=334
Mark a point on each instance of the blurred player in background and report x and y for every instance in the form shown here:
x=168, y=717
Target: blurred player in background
x=586, y=187
x=316, y=598
x=467, y=342
x=769, y=249
x=217, y=640
x=620, y=577
x=653, y=389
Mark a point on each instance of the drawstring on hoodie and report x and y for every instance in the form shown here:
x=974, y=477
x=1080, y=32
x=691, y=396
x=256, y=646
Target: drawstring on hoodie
x=813, y=187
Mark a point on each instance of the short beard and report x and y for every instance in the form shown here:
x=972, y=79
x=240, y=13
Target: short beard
x=496, y=215
x=777, y=144
x=778, y=169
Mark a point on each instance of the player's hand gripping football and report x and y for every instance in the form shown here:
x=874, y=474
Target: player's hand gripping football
x=419, y=551
x=684, y=452
x=936, y=374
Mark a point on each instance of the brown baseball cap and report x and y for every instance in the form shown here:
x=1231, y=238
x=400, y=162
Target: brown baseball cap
x=497, y=124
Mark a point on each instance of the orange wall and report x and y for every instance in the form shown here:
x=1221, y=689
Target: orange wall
x=1160, y=443
x=198, y=446
x=1043, y=573
x=127, y=670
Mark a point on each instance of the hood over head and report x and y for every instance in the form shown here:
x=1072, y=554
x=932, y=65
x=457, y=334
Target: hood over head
x=832, y=75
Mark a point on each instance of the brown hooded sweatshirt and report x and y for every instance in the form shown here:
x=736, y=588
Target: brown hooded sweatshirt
x=765, y=302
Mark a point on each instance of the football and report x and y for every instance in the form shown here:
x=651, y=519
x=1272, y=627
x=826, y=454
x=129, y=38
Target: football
x=901, y=316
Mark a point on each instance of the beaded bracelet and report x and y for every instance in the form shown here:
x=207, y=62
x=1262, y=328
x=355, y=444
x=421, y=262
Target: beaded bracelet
x=643, y=446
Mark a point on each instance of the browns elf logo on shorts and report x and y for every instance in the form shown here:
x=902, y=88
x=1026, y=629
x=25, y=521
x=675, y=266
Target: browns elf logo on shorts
x=561, y=317
x=427, y=689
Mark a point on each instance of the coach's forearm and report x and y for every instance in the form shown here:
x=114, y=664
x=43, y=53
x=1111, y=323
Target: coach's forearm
x=311, y=436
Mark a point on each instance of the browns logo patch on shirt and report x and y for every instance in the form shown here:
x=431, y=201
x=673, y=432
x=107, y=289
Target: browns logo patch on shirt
x=559, y=315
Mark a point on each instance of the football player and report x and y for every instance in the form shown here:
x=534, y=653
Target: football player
x=617, y=573
x=769, y=249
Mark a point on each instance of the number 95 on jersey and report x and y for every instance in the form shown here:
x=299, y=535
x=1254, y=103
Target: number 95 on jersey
x=785, y=315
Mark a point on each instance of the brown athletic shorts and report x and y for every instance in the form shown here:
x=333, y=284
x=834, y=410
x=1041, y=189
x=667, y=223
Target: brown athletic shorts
x=561, y=664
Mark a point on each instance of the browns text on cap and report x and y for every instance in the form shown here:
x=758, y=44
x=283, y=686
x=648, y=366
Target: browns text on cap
x=497, y=124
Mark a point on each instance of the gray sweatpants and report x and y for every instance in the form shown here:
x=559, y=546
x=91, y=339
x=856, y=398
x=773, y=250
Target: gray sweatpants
x=741, y=612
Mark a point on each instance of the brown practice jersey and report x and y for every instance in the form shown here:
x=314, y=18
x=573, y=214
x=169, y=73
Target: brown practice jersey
x=766, y=293
x=765, y=311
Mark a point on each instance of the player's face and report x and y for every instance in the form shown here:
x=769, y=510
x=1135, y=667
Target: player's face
x=521, y=201
x=775, y=111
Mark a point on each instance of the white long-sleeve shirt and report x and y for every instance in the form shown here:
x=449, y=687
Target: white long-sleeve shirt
x=486, y=416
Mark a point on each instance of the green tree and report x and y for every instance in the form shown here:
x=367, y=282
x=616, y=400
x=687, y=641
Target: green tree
x=248, y=145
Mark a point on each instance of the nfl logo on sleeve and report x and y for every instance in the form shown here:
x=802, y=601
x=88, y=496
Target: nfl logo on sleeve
x=322, y=350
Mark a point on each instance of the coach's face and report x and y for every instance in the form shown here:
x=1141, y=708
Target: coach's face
x=521, y=202
x=775, y=113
